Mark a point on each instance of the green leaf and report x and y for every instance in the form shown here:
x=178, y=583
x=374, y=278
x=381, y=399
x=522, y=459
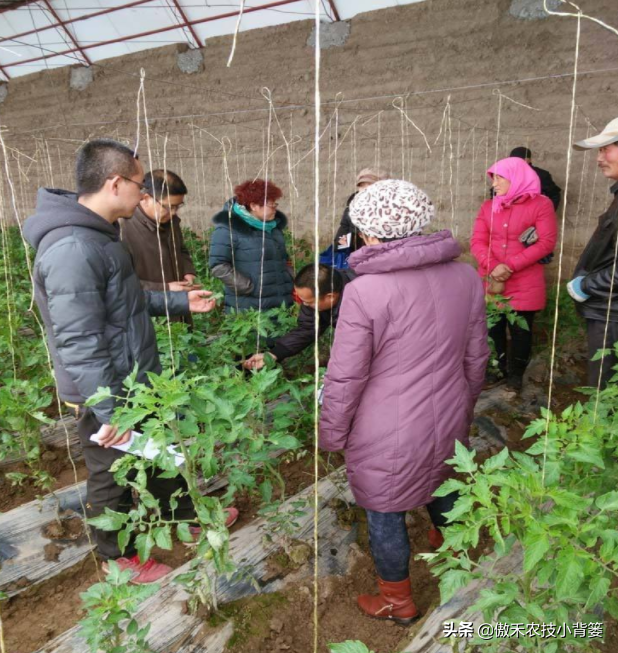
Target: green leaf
x=462, y=506
x=163, y=537
x=285, y=441
x=144, y=543
x=451, y=581
x=100, y=395
x=526, y=462
x=496, y=462
x=570, y=500
x=463, y=461
x=123, y=538
x=586, y=453
x=599, y=588
x=607, y=501
x=601, y=353
x=570, y=573
x=216, y=539
x=536, y=545
x=537, y=613
x=514, y=614
x=545, y=572
x=537, y=448
x=490, y=600
x=449, y=486
x=266, y=491
x=109, y=521
x=611, y=605
x=482, y=491
x=184, y=534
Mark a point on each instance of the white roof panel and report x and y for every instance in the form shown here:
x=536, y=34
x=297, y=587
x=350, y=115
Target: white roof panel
x=70, y=9
x=123, y=23
x=127, y=47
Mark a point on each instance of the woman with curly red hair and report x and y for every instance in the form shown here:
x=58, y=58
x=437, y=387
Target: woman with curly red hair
x=247, y=249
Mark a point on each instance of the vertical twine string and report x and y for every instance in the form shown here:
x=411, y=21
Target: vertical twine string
x=142, y=94
x=240, y=13
x=603, y=350
x=334, y=216
x=450, y=160
x=316, y=359
x=561, y=254
x=581, y=195
x=292, y=188
x=8, y=280
x=455, y=209
x=267, y=154
x=491, y=215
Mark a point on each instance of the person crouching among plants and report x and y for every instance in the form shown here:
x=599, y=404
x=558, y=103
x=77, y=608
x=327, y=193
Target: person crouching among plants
x=406, y=368
x=331, y=284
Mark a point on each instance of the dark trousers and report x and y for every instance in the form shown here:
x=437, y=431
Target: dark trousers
x=102, y=491
x=596, y=341
x=389, y=541
x=514, y=362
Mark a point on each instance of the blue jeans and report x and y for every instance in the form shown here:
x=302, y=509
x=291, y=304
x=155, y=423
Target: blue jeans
x=388, y=537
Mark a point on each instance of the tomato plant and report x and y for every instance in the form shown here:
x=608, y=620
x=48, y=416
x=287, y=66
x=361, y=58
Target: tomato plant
x=558, y=502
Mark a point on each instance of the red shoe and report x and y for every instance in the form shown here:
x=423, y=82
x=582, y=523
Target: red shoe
x=394, y=602
x=436, y=539
x=147, y=572
x=232, y=518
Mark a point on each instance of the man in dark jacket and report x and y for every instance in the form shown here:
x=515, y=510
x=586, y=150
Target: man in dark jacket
x=97, y=319
x=595, y=283
x=331, y=284
x=154, y=237
x=154, y=233
x=549, y=187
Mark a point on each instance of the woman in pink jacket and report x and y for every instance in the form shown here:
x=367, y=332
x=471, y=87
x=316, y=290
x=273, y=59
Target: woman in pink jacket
x=405, y=371
x=509, y=265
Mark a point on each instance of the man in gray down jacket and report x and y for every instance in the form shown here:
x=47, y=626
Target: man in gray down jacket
x=595, y=283
x=97, y=319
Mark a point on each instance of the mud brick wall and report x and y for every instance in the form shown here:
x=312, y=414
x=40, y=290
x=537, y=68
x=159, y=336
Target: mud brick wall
x=448, y=61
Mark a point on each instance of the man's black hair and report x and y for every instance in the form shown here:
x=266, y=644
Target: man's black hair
x=100, y=159
x=161, y=183
x=329, y=279
x=521, y=153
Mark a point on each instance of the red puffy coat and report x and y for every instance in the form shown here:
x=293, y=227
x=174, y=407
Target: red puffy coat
x=526, y=286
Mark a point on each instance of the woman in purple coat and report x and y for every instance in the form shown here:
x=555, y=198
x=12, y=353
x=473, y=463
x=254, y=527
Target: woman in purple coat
x=406, y=368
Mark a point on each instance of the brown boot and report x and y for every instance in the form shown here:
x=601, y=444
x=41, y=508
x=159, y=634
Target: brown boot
x=435, y=537
x=394, y=602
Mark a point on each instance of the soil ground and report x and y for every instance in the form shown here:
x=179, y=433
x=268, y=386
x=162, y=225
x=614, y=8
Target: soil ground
x=57, y=600
x=270, y=623
x=55, y=462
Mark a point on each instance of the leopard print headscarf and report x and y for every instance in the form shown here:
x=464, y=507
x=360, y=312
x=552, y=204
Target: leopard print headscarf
x=391, y=209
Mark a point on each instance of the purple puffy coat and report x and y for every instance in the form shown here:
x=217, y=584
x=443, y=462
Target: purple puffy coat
x=406, y=368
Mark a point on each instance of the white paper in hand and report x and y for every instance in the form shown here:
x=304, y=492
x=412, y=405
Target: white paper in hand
x=149, y=451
